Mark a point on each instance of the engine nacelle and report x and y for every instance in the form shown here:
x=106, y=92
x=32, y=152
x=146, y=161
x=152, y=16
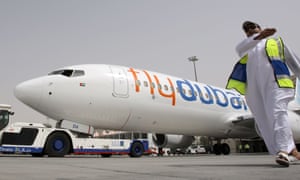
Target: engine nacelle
x=294, y=121
x=172, y=140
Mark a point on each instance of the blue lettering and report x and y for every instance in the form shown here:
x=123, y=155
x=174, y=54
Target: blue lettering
x=180, y=84
x=210, y=99
x=236, y=102
x=207, y=94
x=245, y=105
x=219, y=96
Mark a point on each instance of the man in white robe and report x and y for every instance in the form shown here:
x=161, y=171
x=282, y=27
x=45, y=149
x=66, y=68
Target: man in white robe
x=267, y=101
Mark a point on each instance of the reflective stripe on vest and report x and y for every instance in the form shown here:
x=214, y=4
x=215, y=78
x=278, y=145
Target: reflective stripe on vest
x=238, y=77
x=275, y=53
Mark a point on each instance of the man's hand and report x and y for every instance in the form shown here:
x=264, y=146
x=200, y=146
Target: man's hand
x=265, y=33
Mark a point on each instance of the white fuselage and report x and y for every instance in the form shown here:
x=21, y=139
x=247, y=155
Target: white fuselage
x=122, y=98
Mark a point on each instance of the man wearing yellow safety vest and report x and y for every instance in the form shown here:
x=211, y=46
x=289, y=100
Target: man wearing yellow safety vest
x=263, y=76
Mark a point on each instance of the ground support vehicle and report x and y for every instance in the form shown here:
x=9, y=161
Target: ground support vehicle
x=39, y=140
x=196, y=149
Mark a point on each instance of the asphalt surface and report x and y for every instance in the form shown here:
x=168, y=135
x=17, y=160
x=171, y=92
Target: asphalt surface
x=201, y=167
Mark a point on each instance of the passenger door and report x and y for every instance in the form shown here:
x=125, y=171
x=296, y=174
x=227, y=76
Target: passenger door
x=120, y=82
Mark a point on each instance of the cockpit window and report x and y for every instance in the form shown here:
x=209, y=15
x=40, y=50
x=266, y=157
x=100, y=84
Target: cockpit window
x=68, y=72
x=78, y=73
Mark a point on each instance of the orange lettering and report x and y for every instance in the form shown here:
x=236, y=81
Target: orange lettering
x=172, y=95
x=134, y=73
x=150, y=82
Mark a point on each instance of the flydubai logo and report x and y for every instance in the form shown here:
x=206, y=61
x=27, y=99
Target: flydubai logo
x=188, y=91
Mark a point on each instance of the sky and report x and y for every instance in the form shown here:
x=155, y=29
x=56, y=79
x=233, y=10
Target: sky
x=39, y=36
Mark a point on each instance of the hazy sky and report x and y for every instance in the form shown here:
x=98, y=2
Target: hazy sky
x=38, y=36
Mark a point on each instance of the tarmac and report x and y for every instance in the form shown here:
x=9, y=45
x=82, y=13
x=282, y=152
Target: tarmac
x=200, y=167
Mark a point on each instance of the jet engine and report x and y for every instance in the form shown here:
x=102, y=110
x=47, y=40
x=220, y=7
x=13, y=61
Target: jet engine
x=172, y=141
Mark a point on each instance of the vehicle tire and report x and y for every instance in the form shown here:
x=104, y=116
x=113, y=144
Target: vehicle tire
x=106, y=155
x=57, y=145
x=189, y=152
x=37, y=154
x=137, y=149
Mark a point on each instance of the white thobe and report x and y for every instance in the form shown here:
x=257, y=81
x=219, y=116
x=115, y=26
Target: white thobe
x=246, y=45
x=266, y=100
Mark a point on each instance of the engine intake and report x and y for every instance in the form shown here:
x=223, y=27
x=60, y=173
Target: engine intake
x=172, y=140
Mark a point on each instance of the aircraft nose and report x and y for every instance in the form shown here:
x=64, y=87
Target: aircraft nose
x=29, y=92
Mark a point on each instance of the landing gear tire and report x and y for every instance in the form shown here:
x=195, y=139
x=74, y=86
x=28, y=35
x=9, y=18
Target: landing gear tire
x=137, y=149
x=58, y=145
x=221, y=149
x=217, y=149
x=225, y=149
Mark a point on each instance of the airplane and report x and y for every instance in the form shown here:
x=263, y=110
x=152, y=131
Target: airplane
x=129, y=99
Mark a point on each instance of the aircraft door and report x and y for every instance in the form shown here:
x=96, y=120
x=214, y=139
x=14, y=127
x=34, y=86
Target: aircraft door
x=120, y=82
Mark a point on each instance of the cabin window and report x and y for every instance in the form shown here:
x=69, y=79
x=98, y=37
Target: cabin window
x=172, y=88
x=166, y=87
x=145, y=83
x=159, y=86
x=138, y=82
x=153, y=85
x=200, y=94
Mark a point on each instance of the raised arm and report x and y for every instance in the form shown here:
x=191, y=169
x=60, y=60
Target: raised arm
x=243, y=47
